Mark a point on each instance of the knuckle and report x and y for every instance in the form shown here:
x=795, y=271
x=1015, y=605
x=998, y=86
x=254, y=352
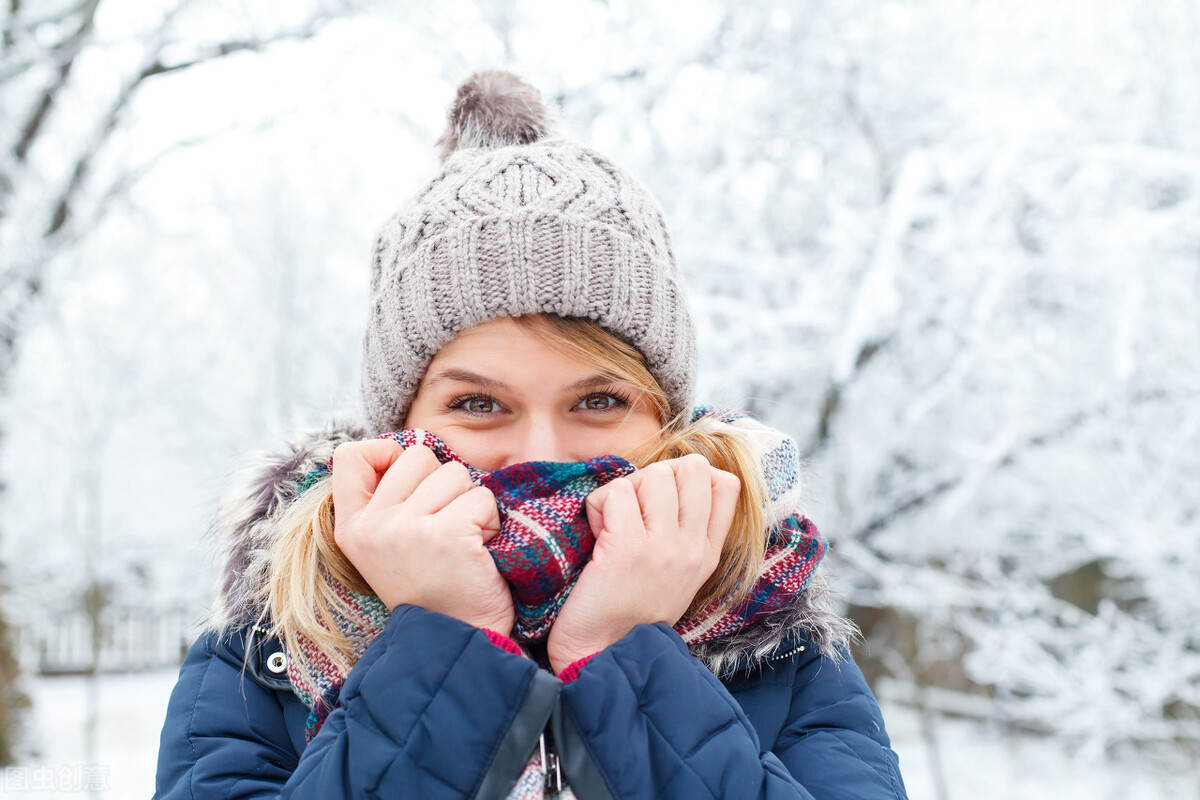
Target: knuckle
x=457, y=474
x=657, y=468
x=418, y=452
x=467, y=502
x=622, y=484
x=695, y=559
x=453, y=468
x=346, y=450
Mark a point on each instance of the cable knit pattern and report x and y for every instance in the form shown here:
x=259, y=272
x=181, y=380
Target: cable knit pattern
x=545, y=227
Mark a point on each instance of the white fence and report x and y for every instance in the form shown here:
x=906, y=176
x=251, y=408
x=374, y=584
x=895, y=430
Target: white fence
x=129, y=641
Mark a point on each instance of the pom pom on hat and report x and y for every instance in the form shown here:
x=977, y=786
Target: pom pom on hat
x=522, y=220
x=495, y=108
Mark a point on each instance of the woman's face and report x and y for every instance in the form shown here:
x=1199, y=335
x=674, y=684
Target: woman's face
x=499, y=394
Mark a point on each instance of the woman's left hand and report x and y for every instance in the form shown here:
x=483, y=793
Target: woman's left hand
x=659, y=534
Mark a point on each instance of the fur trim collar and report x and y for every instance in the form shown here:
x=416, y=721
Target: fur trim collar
x=245, y=526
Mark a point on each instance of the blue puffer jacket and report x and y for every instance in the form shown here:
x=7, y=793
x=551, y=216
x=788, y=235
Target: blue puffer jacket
x=434, y=709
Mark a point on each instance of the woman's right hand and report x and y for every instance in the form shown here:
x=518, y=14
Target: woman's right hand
x=415, y=530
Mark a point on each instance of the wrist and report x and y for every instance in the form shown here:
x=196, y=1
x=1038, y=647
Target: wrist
x=562, y=658
x=502, y=624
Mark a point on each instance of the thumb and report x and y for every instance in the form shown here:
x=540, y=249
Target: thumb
x=357, y=468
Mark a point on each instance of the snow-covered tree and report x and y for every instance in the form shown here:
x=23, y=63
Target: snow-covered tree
x=72, y=73
x=953, y=248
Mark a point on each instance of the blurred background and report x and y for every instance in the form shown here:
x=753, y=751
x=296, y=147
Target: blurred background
x=953, y=248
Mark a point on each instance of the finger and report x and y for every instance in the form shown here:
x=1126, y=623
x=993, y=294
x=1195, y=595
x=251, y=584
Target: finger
x=594, y=504
x=726, y=489
x=357, y=467
x=413, y=466
x=693, y=477
x=475, y=507
x=440, y=488
x=593, y=507
x=658, y=497
x=617, y=511
x=634, y=479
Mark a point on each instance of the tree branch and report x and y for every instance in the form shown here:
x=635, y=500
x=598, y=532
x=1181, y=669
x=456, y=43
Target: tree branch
x=871, y=322
x=10, y=24
x=915, y=501
x=153, y=68
x=130, y=177
x=862, y=121
x=72, y=47
x=23, y=281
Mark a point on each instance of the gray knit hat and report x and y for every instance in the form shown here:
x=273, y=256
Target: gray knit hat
x=520, y=221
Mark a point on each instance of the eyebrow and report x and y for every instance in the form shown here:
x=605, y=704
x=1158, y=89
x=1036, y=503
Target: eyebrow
x=466, y=376
x=491, y=384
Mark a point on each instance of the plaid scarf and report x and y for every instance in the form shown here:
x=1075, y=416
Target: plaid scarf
x=545, y=541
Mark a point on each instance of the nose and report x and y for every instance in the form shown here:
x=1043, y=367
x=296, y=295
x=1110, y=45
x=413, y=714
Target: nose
x=540, y=440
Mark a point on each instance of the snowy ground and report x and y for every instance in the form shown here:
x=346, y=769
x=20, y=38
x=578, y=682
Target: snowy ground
x=131, y=714
x=979, y=763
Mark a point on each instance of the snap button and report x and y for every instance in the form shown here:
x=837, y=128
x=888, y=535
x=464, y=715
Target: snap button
x=277, y=662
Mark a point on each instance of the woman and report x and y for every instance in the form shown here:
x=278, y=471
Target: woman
x=489, y=599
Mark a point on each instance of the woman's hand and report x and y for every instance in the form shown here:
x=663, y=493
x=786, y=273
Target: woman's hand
x=659, y=534
x=415, y=530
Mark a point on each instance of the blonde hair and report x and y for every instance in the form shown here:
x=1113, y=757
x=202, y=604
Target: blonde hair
x=300, y=597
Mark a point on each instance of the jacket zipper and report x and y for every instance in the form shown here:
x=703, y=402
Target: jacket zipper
x=797, y=649
x=550, y=762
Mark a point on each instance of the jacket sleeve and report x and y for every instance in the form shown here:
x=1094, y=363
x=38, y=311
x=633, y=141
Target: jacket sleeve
x=415, y=719
x=657, y=724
